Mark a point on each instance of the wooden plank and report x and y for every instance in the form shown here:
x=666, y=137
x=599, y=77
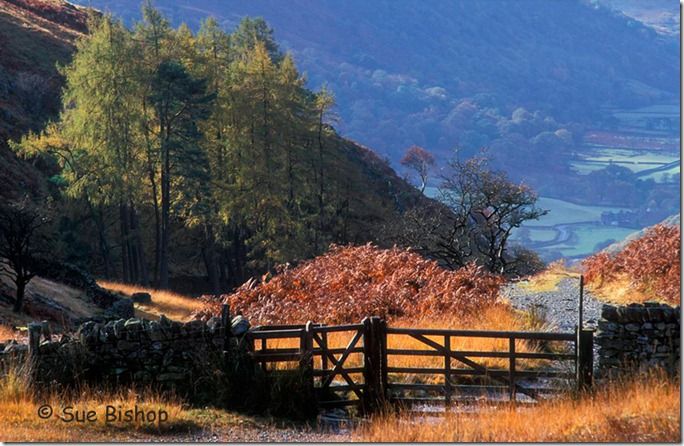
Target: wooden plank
x=447, y=370
x=426, y=387
x=337, y=351
x=511, y=370
x=275, y=357
x=531, y=335
x=335, y=328
x=347, y=370
x=275, y=334
x=484, y=354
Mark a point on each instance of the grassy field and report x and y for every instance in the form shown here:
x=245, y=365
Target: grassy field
x=588, y=236
x=643, y=410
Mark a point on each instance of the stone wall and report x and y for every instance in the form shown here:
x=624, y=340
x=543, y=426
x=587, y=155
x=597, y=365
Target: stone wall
x=164, y=353
x=638, y=337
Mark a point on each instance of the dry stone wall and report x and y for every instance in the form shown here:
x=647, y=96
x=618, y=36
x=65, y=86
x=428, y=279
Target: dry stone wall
x=164, y=353
x=638, y=337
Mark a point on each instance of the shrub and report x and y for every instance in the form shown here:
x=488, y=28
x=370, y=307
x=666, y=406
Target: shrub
x=349, y=283
x=651, y=263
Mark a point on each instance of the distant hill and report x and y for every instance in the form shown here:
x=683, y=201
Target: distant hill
x=430, y=72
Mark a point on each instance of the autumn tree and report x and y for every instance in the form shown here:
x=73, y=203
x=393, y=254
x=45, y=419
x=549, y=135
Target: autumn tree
x=420, y=161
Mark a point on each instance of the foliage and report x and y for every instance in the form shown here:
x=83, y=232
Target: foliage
x=207, y=150
x=651, y=263
x=351, y=282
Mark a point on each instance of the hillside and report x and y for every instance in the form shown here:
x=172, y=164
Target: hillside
x=35, y=36
x=565, y=59
x=368, y=190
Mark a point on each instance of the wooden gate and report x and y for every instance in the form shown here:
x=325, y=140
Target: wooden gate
x=360, y=365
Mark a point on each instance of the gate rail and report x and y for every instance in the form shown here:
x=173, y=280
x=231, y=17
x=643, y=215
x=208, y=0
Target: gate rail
x=371, y=381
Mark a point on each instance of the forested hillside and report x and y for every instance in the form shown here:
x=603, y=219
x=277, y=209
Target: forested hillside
x=180, y=154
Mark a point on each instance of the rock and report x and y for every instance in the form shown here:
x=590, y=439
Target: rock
x=239, y=326
x=122, y=308
x=141, y=298
x=632, y=327
x=609, y=313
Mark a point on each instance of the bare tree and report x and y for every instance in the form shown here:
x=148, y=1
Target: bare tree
x=490, y=206
x=21, y=240
x=478, y=212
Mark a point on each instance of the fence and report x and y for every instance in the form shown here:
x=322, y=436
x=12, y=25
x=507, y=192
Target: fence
x=364, y=372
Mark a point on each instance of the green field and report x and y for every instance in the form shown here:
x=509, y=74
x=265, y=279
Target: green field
x=586, y=237
x=563, y=212
x=634, y=160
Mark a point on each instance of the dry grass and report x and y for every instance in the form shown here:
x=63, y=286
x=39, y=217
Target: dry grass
x=547, y=280
x=7, y=333
x=643, y=410
x=619, y=290
x=173, y=305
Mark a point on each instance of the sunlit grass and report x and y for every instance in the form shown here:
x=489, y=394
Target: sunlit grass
x=173, y=305
x=645, y=409
x=7, y=333
x=548, y=279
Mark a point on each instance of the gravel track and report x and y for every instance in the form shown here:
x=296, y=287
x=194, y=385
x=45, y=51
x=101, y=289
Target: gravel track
x=559, y=306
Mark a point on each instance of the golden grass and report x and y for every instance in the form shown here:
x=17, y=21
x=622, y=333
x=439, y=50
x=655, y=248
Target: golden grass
x=645, y=409
x=7, y=333
x=173, y=305
x=620, y=290
x=548, y=280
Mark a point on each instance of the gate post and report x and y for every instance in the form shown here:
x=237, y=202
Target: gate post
x=307, y=359
x=371, y=364
x=585, y=358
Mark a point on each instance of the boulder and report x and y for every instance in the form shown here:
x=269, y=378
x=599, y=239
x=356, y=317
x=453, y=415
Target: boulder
x=239, y=326
x=141, y=298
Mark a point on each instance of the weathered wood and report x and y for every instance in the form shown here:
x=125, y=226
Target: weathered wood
x=275, y=334
x=335, y=328
x=342, y=372
x=511, y=369
x=484, y=354
x=585, y=359
x=483, y=334
x=34, y=333
x=447, y=369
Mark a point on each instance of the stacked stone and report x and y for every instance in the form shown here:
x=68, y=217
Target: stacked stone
x=135, y=350
x=638, y=337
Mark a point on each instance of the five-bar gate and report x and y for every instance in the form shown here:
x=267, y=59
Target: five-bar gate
x=369, y=363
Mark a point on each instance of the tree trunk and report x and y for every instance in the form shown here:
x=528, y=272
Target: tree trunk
x=143, y=274
x=125, y=252
x=165, y=210
x=19, y=298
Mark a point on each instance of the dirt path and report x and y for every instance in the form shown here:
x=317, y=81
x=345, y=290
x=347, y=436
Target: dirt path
x=559, y=306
